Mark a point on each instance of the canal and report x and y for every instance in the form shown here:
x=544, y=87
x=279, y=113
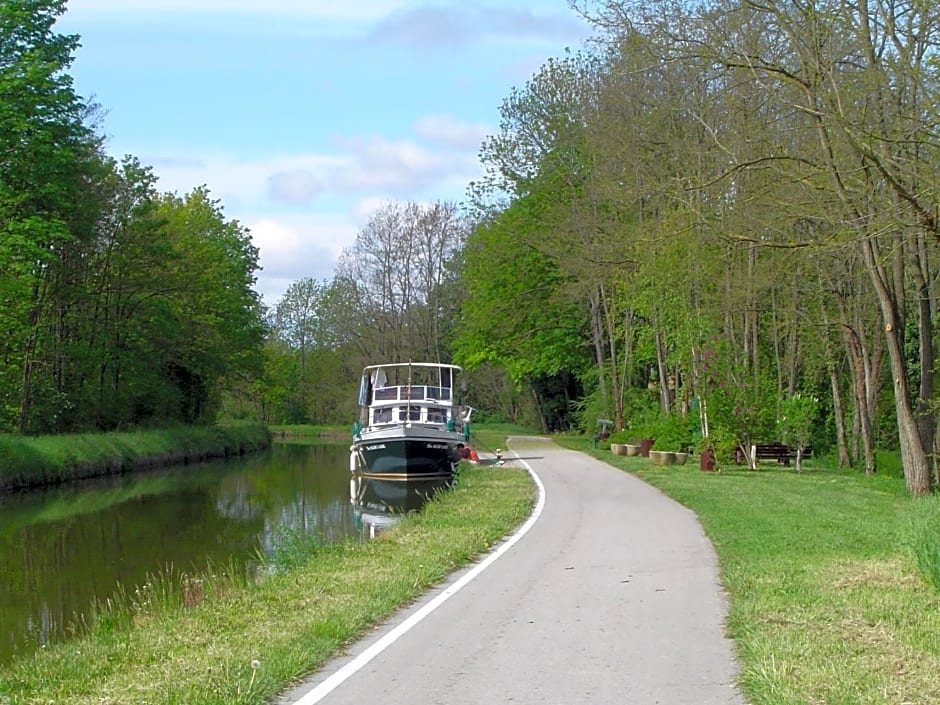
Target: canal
x=62, y=549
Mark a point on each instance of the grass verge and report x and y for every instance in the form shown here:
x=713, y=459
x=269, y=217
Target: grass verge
x=30, y=461
x=244, y=643
x=827, y=604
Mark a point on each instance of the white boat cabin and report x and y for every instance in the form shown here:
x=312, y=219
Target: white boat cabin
x=418, y=403
x=422, y=402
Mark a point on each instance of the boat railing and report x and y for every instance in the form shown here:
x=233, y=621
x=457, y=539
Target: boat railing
x=432, y=415
x=415, y=392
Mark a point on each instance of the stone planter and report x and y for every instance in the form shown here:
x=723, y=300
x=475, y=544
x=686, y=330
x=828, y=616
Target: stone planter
x=662, y=457
x=632, y=449
x=681, y=458
x=618, y=448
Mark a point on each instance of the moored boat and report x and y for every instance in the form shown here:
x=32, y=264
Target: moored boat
x=411, y=422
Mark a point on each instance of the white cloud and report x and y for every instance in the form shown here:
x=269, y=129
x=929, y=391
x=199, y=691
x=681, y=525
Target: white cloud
x=367, y=166
x=244, y=182
x=458, y=24
x=296, y=187
x=449, y=131
x=368, y=207
x=400, y=167
x=358, y=10
x=292, y=247
x=349, y=188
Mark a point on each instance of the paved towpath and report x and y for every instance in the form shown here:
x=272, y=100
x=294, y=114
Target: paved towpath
x=610, y=596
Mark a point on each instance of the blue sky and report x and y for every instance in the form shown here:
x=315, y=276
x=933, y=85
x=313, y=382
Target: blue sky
x=304, y=116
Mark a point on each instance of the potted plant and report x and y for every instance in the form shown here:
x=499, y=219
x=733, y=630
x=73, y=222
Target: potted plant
x=643, y=436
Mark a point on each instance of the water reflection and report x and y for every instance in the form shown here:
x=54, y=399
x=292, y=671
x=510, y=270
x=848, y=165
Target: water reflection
x=379, y=503
x=64, y=548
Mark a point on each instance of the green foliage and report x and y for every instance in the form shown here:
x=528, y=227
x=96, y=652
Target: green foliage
x=735, y=400
x=48, y=158
x=797, y=416
x=119, y=308
x=721, y=441
x=290, y=548
x=516, y=313
x=588, y=409
x=923, y=537
x=673, y=432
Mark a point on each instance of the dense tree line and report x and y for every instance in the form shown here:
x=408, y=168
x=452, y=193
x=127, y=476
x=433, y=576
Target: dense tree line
x=731, y=206
x=119, y=306
x=723, y=213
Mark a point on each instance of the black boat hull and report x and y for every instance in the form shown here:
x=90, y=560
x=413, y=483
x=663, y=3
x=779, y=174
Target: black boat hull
x=406, y=457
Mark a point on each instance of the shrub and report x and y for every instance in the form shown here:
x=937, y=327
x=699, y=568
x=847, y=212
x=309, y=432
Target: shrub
x=672, y=432
x=924, y=537
x=668, y=431
x=721, y=441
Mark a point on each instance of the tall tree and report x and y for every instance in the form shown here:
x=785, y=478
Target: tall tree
x=399, y=270
x=211, y=301
x=845, y=92
x=47, y=154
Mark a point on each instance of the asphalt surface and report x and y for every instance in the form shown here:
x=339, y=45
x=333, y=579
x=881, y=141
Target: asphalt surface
x=610, y=595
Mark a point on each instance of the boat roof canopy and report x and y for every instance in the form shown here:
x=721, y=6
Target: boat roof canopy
x=397, y=373
x=429, y=365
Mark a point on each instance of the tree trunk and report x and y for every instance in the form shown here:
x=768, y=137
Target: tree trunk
x=663, y=372
x=597, y=333
x=913, y=455
x=626, y=377
x=926, y=421
x=611, y=334
x=538, y=408
x=838, y=411
x=29, y=356
x=863, y=420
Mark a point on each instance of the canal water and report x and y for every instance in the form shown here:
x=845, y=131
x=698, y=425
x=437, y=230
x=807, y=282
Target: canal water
x=62, y=549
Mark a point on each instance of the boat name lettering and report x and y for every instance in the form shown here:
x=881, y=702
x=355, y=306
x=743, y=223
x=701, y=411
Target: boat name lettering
x=378, y=446
x=437, y=446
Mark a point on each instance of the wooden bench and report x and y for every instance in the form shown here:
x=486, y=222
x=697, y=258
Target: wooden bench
x=780, y=452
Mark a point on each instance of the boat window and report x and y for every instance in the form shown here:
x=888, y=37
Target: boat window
x=381, y=415
x=386, y=394
x=436, y=415
x=409, y=414
x=439, y=393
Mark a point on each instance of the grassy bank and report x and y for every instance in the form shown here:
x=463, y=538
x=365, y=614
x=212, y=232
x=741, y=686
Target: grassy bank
x=828, y=604
x=30, y=461
x=227, y=640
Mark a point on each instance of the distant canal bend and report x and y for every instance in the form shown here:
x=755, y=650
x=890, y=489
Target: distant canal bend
x=62, y=548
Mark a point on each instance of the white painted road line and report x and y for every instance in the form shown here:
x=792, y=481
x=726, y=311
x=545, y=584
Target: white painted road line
x=316, y=694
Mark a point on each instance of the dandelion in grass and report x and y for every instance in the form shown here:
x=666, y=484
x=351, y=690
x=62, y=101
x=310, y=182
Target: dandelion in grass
x=255, y=665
